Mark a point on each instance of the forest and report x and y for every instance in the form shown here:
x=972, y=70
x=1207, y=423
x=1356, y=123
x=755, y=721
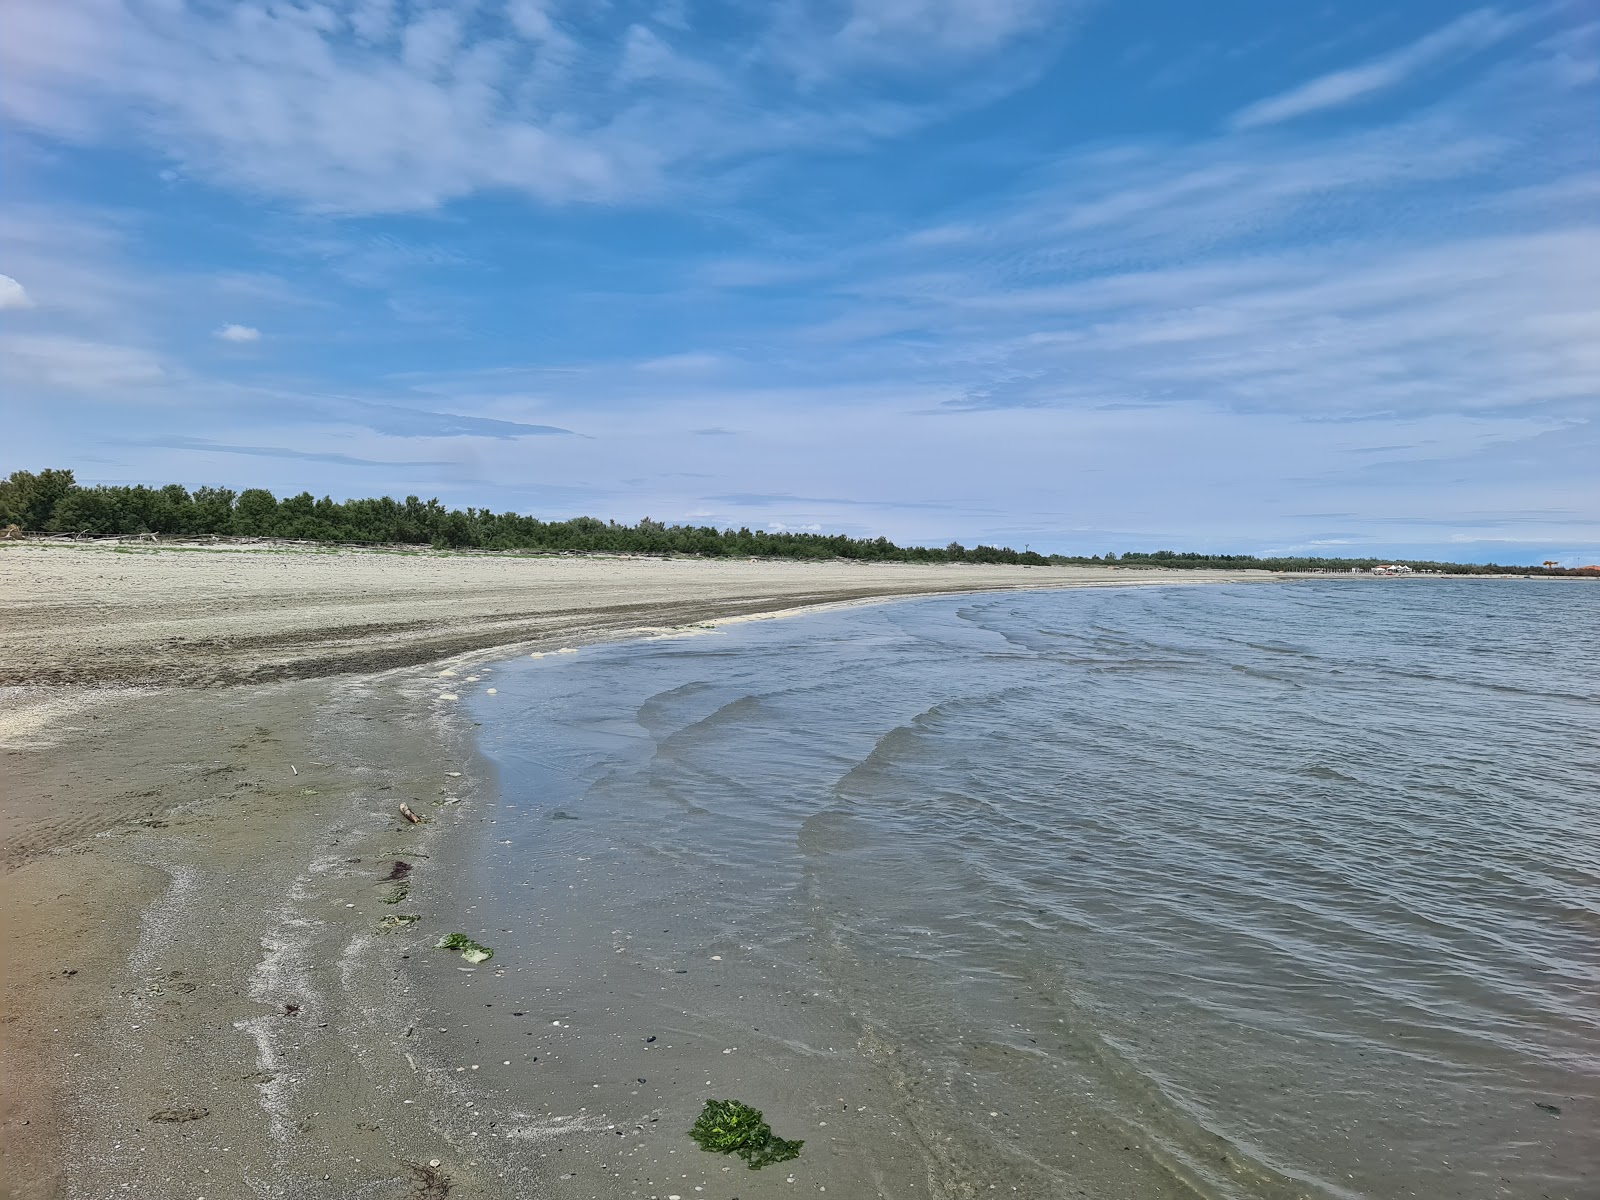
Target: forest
x=51, y=501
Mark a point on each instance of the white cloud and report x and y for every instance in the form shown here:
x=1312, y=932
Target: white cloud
x=360, y=106
x=237, y=333
x=1465, y=35
x=13, y=294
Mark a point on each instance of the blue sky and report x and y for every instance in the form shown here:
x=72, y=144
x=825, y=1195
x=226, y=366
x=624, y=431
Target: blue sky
x=1234, y=276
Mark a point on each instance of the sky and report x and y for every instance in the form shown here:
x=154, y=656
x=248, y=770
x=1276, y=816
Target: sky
x=1241, y=276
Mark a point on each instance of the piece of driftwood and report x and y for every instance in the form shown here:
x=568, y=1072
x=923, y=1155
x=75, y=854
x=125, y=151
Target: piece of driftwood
x=405, y=811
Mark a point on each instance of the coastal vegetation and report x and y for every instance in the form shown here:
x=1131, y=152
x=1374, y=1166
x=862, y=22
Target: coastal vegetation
x=51, y=501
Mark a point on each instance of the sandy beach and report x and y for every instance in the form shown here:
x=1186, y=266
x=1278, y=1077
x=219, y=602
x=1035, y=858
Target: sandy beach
x=205, y=753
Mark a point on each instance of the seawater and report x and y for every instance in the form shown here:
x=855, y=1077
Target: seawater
x=1227, y=891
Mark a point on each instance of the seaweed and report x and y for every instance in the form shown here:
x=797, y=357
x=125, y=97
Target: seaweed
x=397, y=893
x=732, y=1127
x=432, y=1184
x=470, y=950
x=398, y=921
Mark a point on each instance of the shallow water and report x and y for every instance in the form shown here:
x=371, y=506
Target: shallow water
x=1243, y=891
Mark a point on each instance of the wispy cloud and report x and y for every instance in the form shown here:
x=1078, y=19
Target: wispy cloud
x=1465, y=35
x=1171, y=332
x=785, y=500
x=959, y=27
x=78, y=364
x=321, y=456
x=398, y=421
x=238, y=334
x=362, y=106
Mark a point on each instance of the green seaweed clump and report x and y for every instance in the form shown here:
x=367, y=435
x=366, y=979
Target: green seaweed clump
x=730, y=1127
x=472, y=951
x=396, y=894
x=398, y=921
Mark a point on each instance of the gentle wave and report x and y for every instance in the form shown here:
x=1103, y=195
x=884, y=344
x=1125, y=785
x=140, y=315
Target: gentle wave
x=1284, y=890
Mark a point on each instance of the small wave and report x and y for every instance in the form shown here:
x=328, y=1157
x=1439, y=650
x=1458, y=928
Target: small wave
x=1319, y=771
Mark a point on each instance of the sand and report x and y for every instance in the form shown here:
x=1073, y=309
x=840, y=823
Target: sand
x=204, y=754
x=72, y=614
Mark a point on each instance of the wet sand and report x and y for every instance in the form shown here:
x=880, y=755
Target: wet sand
x=204, y=757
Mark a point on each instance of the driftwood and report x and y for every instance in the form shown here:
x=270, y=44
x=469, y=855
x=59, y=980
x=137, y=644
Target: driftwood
x=405, y=811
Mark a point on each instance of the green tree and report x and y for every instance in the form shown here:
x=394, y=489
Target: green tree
x=212, y=510
x=29, y=500
x=256, y=513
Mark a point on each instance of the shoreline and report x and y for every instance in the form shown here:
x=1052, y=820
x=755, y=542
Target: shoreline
x=195, y=926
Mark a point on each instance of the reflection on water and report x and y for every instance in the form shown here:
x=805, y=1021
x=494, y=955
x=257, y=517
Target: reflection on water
x=1257, y=891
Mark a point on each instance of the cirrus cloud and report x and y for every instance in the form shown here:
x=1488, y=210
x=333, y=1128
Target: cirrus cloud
x=358, y=106
x=1465, y=35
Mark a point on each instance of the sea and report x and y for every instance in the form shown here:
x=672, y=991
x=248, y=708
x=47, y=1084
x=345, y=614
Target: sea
x=1236, y=891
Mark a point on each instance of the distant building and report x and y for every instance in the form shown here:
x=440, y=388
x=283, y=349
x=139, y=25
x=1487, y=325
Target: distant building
x=1392, y=569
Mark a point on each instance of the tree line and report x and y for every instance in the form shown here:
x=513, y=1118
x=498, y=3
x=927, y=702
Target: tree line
x=51, y=501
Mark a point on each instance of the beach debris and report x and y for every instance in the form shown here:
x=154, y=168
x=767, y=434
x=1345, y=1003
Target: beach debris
x=432, y=1184
x=453, y=774
x=559, y=815
x=294, y=768
x=733, y=1127
x=397, y=893
x=177, y=1116
x=1553, y=1109
x=473, y=952
x=400, y=870
x=405, y=811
